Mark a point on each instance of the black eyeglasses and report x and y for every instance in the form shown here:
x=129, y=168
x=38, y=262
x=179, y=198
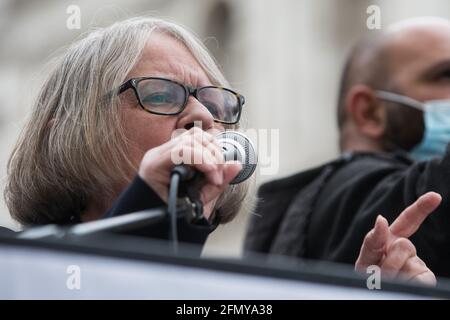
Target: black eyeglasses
x=167, y=97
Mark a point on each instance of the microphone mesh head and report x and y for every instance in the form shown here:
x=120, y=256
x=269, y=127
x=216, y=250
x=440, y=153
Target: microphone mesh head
x=246, y=153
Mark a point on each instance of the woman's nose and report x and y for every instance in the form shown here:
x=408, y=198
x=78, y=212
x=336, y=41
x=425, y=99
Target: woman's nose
x=196, y=114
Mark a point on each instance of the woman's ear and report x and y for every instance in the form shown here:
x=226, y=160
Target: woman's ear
x=366, y=111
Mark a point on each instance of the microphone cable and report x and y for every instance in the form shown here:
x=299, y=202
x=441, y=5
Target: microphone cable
x=179, y=173
x=172, y=208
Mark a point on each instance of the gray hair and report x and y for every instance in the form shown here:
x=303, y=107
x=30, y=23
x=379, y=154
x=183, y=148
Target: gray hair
x=73, y=149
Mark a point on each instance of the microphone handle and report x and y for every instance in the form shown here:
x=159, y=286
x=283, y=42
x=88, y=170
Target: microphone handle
x=186, y=173
x=189, y=177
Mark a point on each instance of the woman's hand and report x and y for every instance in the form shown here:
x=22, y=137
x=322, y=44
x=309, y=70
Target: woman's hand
x=389, y=247
x=195, y=148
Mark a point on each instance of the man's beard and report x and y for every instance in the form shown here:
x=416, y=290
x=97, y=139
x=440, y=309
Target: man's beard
x=405, y=127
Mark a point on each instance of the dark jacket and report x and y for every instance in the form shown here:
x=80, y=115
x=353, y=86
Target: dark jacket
x=139, y=196
x=324, y=213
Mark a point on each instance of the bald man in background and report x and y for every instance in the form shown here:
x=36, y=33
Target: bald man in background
x=394, y=123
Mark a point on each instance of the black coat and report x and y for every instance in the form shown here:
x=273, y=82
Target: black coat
x=139, y=196
x=324, y=213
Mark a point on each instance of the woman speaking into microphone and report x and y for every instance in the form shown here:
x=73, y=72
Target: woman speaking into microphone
x=99, y=140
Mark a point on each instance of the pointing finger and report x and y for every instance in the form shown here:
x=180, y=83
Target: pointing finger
x=412, y=217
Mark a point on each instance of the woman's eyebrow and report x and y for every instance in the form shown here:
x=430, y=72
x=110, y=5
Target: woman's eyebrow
x=186, y=74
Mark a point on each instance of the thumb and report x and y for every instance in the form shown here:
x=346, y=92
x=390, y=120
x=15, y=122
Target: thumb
x=230, y=170
x=373, y=247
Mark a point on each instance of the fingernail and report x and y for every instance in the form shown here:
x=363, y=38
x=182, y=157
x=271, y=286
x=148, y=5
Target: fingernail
x=378, y=219
x=221, y=178
x=218, y=178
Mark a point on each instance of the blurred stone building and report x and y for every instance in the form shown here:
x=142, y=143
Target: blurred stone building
x=285, y=56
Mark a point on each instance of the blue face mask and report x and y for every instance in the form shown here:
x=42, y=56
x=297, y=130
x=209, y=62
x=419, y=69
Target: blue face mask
x=437, y=124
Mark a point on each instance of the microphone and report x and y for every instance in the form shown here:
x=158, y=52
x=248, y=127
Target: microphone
x=238, y=147
x=235, y=146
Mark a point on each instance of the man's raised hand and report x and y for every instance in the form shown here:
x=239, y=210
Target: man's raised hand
x=389, y=247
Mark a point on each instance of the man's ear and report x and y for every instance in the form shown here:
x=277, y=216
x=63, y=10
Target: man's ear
x=366, y=111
